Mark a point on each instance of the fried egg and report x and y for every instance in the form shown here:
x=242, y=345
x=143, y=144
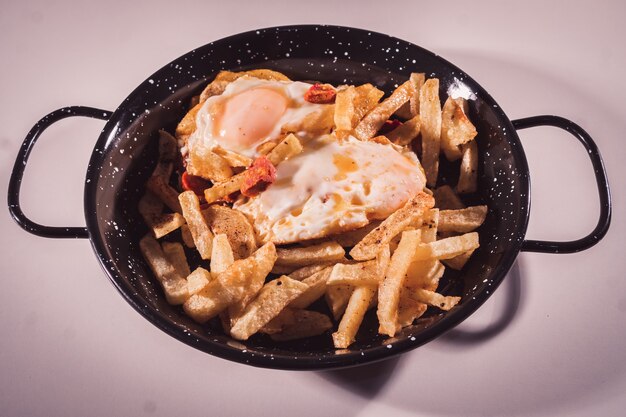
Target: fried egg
x=333, y=186
x=250, y=112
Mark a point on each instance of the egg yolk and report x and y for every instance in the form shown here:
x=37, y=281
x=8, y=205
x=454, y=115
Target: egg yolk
x=249, y=117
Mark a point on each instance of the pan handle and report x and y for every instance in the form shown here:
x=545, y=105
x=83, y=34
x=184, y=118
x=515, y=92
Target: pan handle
x=601, y=179
x=15, y=182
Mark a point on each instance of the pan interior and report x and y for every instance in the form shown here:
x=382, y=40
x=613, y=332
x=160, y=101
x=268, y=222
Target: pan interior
x=126, y=154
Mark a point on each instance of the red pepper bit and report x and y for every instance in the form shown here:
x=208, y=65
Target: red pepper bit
x=320, y=94
x=389, y=125
x=260, y=175
x=194, y=183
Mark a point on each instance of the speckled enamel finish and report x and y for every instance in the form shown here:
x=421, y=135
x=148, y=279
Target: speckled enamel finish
x=125, y=154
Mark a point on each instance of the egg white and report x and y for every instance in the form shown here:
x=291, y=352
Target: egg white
x=333, y=186
x=297, y=110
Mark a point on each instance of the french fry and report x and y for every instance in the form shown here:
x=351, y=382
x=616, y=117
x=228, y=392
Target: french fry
x=266, y=147
x=406, y=132
x=198, y=227
x=276, y=325
x=447, y=199
x=375, y=119
x=233, y=159
x=409, y=310
x=285, y=149
x=382, y=260
x=469, y=168
x=316, y=288
x=223, y=189
x=175, y=253
x=458, y=262
x=283, y=269
x=304, y=323
x=221, y=254
x=235, y=225
x=302, y=256
x=197, y=280
x=358, y=304
x=316, y=123
x=166, y=223
x=273, y=297
x=421, y=274
x=367, y=98
x=337, y=297
x=150, y=208
x=418, y=80
x=187, y=125
x=456, y=128
x=462, y=220
x=446, y=248
x=253, y=286
x=356, y=274
x=350, y=238
x=308, y=270
x=158, y=181
x=167, y=147
x=344, y=111
x=424, y=274
x=361, y=299
x=165, y=192
x=389, y=290
x=186, y=236
x=374, y=241
x=393, y=245
x=351, y=105
x=435, y=299
x=204, y=162
x=430, y=225
x=231, y=285
x=174, y=286
x=430, y=115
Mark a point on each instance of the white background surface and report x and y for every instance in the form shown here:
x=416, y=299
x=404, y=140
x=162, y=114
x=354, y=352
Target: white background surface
x=552, y=339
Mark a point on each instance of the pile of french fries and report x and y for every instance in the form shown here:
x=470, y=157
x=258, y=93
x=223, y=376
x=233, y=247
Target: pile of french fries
x=393, y=265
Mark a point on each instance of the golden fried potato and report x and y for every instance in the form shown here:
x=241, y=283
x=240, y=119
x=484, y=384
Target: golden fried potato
x=235, y=225
x=304, y=323
x=358, y=304
x=175, y=253
x=462, y=220
x=430, y=115
x=272, y=299
x=469, y=168
x=389, y=290
x=198, y=226
x=456, y=128
x=231, y=285
x=376, y=118
x=205, y=163
x=174, y=286
x=161, y=224
x=301, y=256
x=316, y=289
x=394, y=224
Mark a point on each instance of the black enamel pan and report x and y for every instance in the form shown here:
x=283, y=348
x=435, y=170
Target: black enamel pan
x=125, y=152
